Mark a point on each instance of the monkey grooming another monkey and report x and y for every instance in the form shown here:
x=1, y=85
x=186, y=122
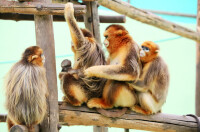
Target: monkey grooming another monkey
x=87, y=52
x=26, y=90
x=152, y=86
x=123, y=65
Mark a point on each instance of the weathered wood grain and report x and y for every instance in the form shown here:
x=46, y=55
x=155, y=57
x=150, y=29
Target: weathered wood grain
x=197, y=94
x=60, y=18
x=149, y=18
x=91, y=19
x=70, y=115
x=38, y=8
x=45, y=39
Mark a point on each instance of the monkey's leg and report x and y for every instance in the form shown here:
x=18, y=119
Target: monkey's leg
x=98, y=103
x=9, y=123
x=148, y=104
x=74, y=93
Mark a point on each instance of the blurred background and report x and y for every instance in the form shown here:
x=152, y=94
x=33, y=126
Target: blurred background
x=178, y=52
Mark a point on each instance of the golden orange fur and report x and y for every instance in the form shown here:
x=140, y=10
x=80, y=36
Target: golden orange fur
x=123, y=64
x=152, y=86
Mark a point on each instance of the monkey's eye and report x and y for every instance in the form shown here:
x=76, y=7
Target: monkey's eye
x=146, y=49
x=106, y=36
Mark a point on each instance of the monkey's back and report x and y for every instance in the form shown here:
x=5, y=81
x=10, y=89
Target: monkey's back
x=91, y=54
x=26, y=90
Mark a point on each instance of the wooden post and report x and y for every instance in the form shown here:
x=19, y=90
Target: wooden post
x=100, y=129
x=197, y=103
x=126, y=130
x=91, y=19
x=45, y=39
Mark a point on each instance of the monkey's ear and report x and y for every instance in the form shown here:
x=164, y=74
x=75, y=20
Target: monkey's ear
x=32, y=57
x=119, y=32
x=157, y=51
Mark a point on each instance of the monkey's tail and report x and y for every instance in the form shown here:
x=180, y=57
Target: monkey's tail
x=98, y=103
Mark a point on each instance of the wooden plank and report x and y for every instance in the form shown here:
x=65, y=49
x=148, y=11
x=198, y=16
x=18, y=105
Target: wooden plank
x=91, y=19
x=60, y=18
x=38, y=8
x=70, y=115
x=197, y=98
x=45, y=39
x=149, y=18
x=172, y=13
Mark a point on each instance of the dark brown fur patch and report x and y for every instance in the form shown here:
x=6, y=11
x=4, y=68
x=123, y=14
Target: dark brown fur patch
x=28, y=52
x=68, y=80
x=86, y=33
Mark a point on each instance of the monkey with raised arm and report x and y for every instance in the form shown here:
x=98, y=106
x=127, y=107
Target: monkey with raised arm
x=152, y=86
x=26, y=90
x=87, y=52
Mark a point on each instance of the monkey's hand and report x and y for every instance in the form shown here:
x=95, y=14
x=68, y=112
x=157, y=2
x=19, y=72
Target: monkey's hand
x=69, y=10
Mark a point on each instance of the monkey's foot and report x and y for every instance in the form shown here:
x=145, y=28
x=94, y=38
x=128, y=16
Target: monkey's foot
x=69, y=9
x=74, y=102
x=98, y=103
x=140, y=110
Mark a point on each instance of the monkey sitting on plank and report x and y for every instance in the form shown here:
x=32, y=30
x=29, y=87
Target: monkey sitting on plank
x=123, y=65
x=87, y=52
x=26, y=90
x=152, y=86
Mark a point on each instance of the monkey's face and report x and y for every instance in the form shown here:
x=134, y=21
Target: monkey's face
x=34, y=55
x=113, y=36
x=149, y=51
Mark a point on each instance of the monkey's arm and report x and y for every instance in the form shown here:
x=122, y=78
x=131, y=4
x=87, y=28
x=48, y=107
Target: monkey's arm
x=76, y=33
x=114, y=72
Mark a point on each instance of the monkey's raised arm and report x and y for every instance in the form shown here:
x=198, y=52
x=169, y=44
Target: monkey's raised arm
x=113, y=72
x=76, y=33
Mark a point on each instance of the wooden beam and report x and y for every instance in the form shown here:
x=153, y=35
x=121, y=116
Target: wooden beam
x=149, y=18
x=38, y=8
x=172, y=13
x=30, y=17
x=70, y=115
x=91, y=19
x=45, y=39
x=197, y=94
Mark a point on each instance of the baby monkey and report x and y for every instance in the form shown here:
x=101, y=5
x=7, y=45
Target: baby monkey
x=26, y=90
x=152, y=86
